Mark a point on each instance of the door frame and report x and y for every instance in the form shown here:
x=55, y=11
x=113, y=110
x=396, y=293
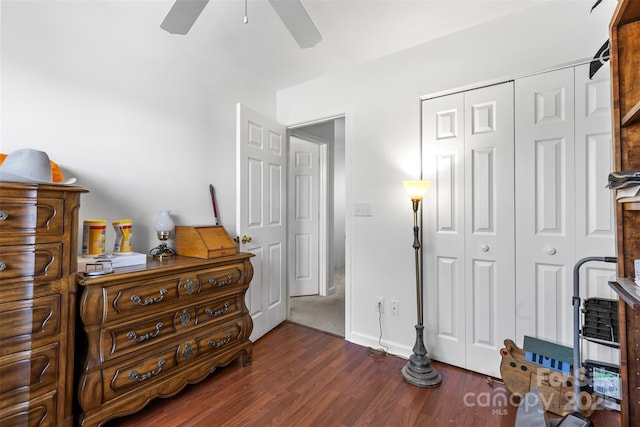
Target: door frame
x=325, y=215
x=346, y=115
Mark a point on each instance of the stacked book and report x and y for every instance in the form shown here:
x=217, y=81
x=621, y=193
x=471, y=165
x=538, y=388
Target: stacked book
x=108, y=262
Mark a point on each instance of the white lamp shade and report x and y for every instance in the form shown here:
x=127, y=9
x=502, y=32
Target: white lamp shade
x=163, y=221
x=416, y=189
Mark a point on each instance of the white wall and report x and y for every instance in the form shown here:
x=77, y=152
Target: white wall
x=381, y=102
x=140, y=119
x=144, y=122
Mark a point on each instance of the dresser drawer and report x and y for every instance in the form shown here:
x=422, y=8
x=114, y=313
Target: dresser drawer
x=30, y=262
x=141, y=297
x=28, y=373
x=222, y=338
x=15, y=291
x=138, y=372
x=28, y=321
x=227, y=277
x=141, y=333
x=37, y=412
x=22, y=219
x=142, y=370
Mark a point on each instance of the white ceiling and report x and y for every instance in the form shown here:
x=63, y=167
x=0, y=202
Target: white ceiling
x=353, y=31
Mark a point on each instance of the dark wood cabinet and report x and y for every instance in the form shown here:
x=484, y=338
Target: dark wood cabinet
x=151, y=330
x=38, y=257
x=625, y=81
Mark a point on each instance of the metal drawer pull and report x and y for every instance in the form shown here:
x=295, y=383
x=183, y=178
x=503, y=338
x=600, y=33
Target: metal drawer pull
x=219, y=312
x=3, y=266
x=3, y=215
x=214, y=282
x=213, y=343
x=133, y=336
x=135, y=376
x=138, y=300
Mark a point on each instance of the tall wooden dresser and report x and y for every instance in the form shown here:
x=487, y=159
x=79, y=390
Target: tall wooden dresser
x=153, y=329
x=38, y=258
x=625, y=83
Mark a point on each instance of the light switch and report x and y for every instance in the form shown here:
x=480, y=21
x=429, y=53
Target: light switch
x=362, y=209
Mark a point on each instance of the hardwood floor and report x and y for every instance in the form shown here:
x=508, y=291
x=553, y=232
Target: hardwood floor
x=304, y=377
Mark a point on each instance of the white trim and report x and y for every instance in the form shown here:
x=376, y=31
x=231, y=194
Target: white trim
x=503, y=80
x=316, y=121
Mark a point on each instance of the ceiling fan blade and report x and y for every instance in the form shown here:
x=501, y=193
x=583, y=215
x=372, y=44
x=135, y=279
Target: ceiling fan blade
x=182, y=15
x=297, y=21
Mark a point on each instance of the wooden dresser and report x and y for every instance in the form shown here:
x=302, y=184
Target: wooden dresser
x=38, y=257
x=625, y=83
x=152, y=330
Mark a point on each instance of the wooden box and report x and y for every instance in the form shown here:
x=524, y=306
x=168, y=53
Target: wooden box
x=207, y=241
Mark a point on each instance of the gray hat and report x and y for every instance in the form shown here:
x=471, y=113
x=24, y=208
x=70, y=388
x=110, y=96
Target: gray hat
x=29, y=166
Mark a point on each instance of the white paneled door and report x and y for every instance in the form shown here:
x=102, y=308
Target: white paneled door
x=444, y=228
x=469, y=226
x=261, y=215
x=304, y=224
x=546, y=207
x=563, y=210
x=553, y=196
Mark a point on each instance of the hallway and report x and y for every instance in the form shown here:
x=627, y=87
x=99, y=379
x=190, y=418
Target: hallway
x=322, y=313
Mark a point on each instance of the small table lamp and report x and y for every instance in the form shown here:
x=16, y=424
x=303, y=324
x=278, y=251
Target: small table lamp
x=164, y=226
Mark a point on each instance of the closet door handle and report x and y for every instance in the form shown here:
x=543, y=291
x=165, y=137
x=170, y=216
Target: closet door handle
x=484, y=248
x=550, y=251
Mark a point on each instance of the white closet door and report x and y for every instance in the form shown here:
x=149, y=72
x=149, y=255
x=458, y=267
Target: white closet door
x=443, y=231
x=563, y=211
x=469, y=234
x=595, y=217
x=545, y=205
x=489, y=217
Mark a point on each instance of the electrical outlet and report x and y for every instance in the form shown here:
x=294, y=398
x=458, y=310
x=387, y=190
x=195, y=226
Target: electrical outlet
x=379, y=305
x=395, y=307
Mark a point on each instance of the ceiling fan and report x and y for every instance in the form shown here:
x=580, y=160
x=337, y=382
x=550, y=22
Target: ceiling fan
x=183, y=14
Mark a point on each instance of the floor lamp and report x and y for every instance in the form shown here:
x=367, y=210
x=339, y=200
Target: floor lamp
x=418, y=370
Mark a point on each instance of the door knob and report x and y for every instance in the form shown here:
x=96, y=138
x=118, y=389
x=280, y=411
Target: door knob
x=550, y=251
x=246, y=239
x=484, y=248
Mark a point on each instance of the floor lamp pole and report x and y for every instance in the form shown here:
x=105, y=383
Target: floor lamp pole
x=418, y=370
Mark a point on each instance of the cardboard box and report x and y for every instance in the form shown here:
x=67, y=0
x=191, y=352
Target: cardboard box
x=208, y=241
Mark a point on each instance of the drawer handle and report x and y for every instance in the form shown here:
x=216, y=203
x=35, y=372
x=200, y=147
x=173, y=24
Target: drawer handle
x=214, y=344
x=214, y=282
x=133, y=336
x=138, y=300
x=3, y=266
x=219, y=312
x=135, y=376
x=3, y=215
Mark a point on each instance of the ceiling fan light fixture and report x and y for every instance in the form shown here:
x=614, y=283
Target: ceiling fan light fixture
x=183, y=14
